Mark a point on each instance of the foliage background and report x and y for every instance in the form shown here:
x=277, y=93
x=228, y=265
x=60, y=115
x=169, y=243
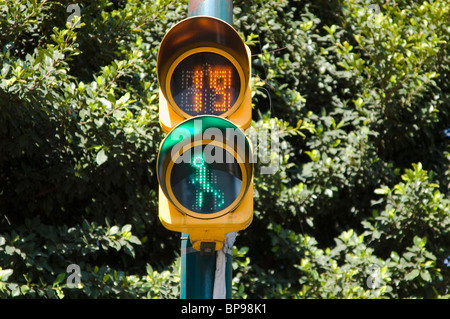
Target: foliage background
x=359, y=208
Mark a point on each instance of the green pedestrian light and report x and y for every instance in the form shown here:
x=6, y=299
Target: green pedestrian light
x=205, y=174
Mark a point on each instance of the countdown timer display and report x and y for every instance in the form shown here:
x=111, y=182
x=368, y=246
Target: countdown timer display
x=205, y=81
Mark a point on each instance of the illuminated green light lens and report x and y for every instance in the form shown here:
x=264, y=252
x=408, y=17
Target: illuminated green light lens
x=205, y=177
x=206, y=187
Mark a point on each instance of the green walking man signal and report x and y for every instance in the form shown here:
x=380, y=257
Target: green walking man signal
x=205, y=180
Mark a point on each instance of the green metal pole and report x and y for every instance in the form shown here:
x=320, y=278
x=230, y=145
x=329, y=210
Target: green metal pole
x=198, y=271
x=222, y=9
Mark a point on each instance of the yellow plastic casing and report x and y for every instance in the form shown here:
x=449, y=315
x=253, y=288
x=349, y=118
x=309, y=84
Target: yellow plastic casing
x=207, y=230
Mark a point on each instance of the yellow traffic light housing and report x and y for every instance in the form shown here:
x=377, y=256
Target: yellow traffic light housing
x=204, y=67
x=205, y=164
x=205, y=173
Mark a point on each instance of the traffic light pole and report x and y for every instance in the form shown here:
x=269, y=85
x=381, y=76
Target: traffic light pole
x=221, y=9
x=198, y=270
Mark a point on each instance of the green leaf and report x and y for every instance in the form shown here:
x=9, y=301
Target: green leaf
x=119, y=114
x=305, y=26
x=101, y=157
x=114, y=230
x=134, y=240
x=314, y=155
x=126, y=228
x=383, y=190
x=5, y=69
x=129, y=250
x=412, y=274
x=4, y=274
x=420, y=242
x=15, y=290
x=394, y=256
x=423, y=242
x=425, y=274
x=9, y=250
x=59, y=278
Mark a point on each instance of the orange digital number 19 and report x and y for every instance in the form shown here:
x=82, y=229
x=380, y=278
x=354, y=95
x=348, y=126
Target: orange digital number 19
x=219, y=82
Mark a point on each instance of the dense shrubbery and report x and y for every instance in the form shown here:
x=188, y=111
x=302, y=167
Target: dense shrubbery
x=359, y=207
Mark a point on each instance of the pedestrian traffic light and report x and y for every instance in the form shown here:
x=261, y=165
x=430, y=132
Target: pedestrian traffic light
x=203, y=67
x=205, y=172
x=205, y=163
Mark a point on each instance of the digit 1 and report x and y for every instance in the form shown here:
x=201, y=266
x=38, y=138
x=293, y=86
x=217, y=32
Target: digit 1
x=198, y=86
